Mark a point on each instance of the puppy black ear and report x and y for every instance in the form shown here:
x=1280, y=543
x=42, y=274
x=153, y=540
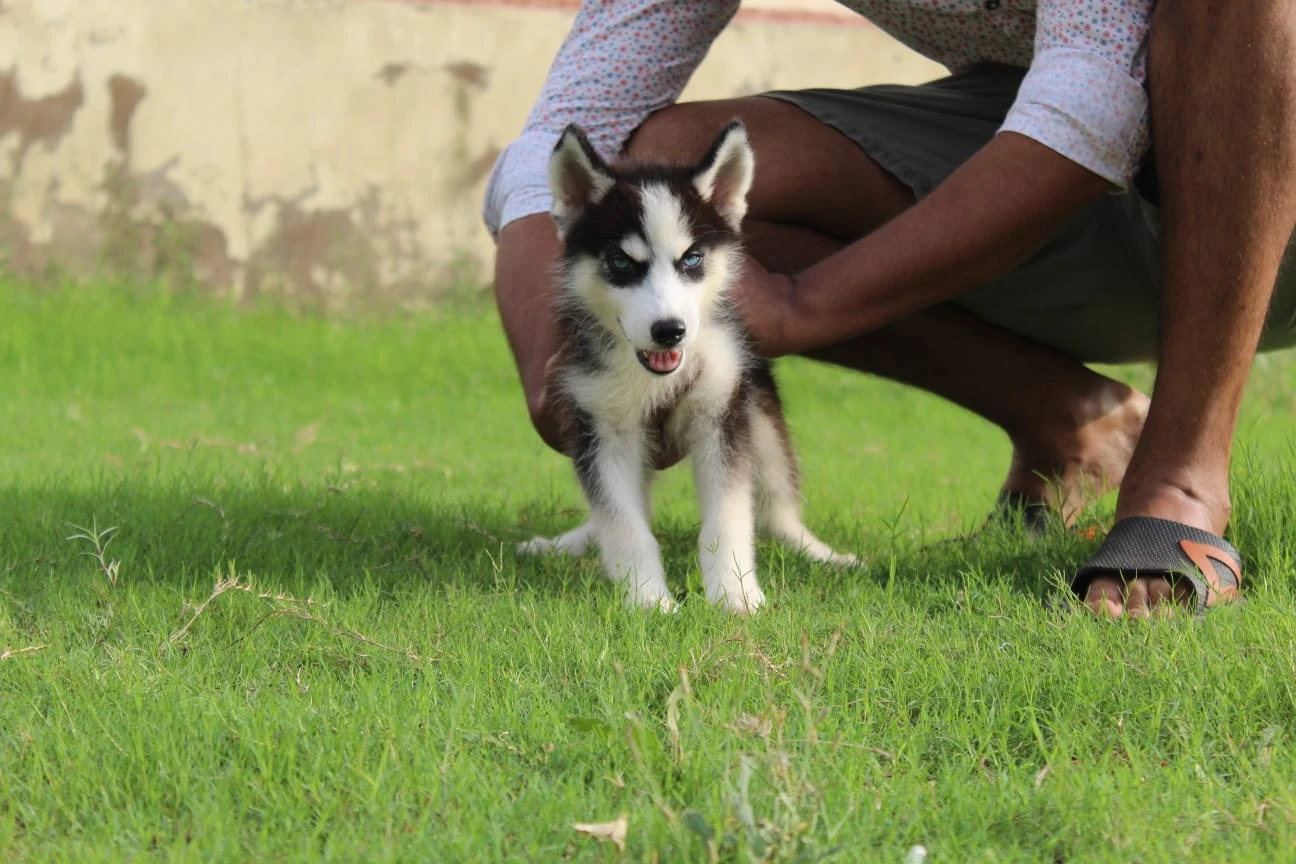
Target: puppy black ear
x=724, y=176
x=578, y=176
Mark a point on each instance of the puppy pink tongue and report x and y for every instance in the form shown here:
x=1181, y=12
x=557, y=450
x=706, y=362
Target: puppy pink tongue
x=663, y=361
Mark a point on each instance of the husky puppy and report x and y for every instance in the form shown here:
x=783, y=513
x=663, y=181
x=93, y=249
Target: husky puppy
x=654, y=354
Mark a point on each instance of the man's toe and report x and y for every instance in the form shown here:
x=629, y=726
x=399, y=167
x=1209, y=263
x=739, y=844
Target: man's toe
x=1105, y=598
x=1137, y=601
x=1161, y=595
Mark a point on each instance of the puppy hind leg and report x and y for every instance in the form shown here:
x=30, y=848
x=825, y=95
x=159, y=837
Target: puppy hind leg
x=574, y=543
x=779, y=503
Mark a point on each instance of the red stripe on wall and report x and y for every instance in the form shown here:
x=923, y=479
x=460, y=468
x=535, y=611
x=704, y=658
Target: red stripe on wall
x=758, y=15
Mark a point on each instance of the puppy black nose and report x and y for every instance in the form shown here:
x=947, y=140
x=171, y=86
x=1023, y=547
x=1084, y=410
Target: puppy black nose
x=668, y=332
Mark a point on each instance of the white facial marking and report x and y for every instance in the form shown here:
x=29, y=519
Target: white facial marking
x=664, y=223
x=634, y=246
x=662, y=294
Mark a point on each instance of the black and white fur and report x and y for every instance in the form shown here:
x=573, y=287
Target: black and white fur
x=654, y=351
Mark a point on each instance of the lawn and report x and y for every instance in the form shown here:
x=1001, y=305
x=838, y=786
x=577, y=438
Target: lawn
x=258, y=601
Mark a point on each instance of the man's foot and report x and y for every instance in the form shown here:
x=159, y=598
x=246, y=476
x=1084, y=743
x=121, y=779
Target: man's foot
x=1200, y=505
x=1079, y=455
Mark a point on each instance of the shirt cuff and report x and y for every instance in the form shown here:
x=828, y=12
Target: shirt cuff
x=519, y=181
x=1086, y=108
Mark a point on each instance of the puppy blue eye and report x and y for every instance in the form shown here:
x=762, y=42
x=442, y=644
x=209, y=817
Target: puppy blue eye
x=692, y=260
x=620, y=263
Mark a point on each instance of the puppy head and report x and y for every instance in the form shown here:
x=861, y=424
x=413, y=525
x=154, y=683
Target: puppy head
x=651, y=248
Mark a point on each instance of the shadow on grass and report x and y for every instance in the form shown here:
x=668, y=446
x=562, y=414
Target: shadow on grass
x=400, y=538
x=403, y=534
x=183, y=533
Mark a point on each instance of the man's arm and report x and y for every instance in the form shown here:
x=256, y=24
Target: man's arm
x=994, y=211
x=1077, y=129
x=524, y=284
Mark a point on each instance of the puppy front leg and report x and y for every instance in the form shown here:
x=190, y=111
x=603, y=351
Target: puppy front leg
x=615, y=483
x=726, y=545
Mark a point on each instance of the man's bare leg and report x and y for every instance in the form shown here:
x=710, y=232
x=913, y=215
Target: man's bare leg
x=1226, y=159
x=1072, y=435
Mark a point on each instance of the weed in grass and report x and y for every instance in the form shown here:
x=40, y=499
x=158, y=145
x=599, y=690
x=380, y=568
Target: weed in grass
x=99, y=541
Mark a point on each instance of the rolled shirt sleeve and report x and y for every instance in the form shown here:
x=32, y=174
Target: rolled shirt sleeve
x=1084, y=95
x=620, y=62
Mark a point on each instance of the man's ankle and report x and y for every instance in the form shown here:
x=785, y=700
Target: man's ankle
x=1203, y=505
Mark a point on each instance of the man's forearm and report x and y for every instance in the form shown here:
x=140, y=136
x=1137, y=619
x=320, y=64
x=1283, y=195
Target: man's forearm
x=997, y=209
x=524, y=284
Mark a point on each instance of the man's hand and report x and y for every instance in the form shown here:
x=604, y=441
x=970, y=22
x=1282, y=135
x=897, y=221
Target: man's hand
x=766, y=303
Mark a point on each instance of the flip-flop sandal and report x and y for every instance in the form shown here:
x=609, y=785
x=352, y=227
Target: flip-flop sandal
x=1146, y=546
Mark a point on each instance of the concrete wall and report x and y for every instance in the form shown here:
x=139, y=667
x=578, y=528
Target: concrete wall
x=329, y=148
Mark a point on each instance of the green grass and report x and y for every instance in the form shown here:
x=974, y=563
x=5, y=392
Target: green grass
x=382, y=680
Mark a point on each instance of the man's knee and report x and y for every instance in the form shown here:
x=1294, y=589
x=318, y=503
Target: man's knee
x=681, y=132
x=1194, y=28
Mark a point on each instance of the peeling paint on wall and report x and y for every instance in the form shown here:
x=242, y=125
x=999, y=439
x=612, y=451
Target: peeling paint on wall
x=125, y=94
x=46, y=120
x=335, y=150
x=314, y=253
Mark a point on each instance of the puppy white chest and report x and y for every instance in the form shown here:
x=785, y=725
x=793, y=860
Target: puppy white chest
x=623, y=396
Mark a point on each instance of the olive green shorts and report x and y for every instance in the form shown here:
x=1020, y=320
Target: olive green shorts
x=1093, y=291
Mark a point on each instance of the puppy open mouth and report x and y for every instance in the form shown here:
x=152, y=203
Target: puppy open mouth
x=660, y=362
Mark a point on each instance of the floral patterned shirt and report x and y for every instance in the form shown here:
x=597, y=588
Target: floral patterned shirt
x=1083, y=95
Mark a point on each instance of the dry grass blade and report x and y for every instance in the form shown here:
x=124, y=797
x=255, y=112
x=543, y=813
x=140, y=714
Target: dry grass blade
x=469, y=525
x=18, y=652
x=195, y=504
x=229, y=583
x=287, y=605
x=612, y=832
x=297, y=612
